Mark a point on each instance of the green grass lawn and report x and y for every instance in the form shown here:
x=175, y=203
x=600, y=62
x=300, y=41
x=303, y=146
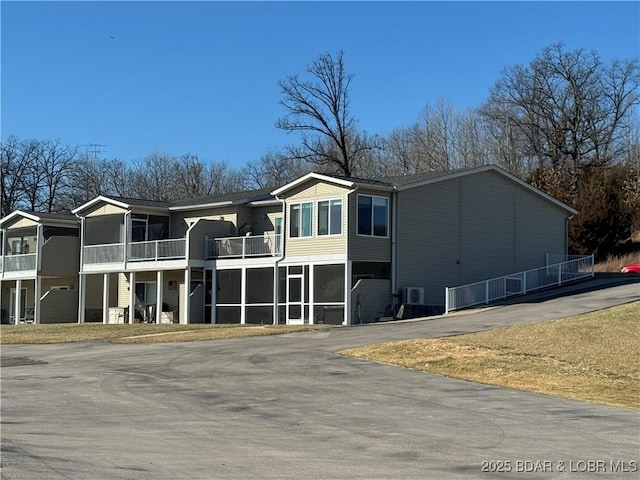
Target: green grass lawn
x=593, y=357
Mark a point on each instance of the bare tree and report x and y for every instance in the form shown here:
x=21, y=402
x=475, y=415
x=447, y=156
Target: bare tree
x=56, y=162
x=566, y=109
x=275, y=169
x=16, y=156
x=319, y=109
x=151, y=178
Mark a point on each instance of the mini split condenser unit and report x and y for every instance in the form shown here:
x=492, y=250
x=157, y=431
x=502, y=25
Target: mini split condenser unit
x=413, y=296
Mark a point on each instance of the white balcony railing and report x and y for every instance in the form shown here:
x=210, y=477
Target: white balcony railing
x=486, y=291
x=19, y=262
x=268, y=244
x=158, y=249
x=109, y=253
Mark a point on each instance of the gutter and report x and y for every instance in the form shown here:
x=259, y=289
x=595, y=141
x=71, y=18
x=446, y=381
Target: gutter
x=276, y=283
x=394, y=248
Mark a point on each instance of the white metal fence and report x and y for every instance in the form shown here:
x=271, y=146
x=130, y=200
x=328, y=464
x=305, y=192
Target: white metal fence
x=19, y=263
x=158, y=249
x=568, y=269
x=252, y=246
x=109, y=253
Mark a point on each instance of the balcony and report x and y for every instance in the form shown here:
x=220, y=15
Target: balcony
x=103, y=254
x=96, y=256
x=158, y=250
x=18, y=263
x=265, y=245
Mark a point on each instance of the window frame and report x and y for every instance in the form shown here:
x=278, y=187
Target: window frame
x=329, y=215
x=290, y=223
x=372, y=226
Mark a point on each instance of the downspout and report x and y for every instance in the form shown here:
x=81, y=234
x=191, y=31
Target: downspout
x=37, y=280
x=127, y=237
x=3, y=237
x=347, y=267
x=276, y=282
x=394, y=247
x=81, y=276
x=187, y=274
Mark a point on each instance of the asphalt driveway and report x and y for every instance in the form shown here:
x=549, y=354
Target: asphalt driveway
x=289, y=407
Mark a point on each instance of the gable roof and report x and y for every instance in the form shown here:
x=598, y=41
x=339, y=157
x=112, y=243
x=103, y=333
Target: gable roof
x=123, y=202
x=405, y=182
x=348, y=182
x=40, y=217
x=418, y=180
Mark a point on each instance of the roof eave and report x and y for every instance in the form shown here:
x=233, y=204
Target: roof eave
x=19, y=213
x=98, y=199
x=202, y=206
x=310, y=176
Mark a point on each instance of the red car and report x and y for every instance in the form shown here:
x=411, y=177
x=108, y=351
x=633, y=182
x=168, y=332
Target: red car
x=633, y=268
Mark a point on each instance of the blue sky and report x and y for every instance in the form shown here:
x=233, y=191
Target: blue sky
x=201, y=77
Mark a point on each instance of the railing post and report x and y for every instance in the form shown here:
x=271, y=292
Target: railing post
x=524, y=284
x=244, y=245
x=446, y=300
x=559, y=273
x=486, y=292
x=157, y=243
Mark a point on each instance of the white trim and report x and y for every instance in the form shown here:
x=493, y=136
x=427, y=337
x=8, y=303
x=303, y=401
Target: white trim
x=310, y=176
x=202, y=206
x=19, y=213
x=347, y=320
x=98, y=199
x=264, y=203
x=300, y=237
x=105, y=298
x=228, y=263
x=315, y=259
x=317, y=222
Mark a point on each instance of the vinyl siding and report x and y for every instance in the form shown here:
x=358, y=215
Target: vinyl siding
x=473, y=228
x=104, y=209
x=180, y=220
x=315, y=191
x=61, y=256
x=22, y=222
x=367, y=248
x=59, y=306
x=374, y=295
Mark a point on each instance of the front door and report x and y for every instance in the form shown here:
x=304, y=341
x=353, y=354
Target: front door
x=295, y=287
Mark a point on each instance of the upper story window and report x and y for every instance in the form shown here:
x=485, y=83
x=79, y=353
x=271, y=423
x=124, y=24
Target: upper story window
x=330, y=217
x=301, y=215
x=373, y=216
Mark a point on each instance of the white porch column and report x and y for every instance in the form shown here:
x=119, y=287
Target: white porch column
x=186, y=307
x=16, y=307
x=214, y=299
x=37, y=288
x=347, y=294
x=312, y=273
x=105, y=298
x=132, y=297
x=82, y=289
x=243, y=294
x=159, y=293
